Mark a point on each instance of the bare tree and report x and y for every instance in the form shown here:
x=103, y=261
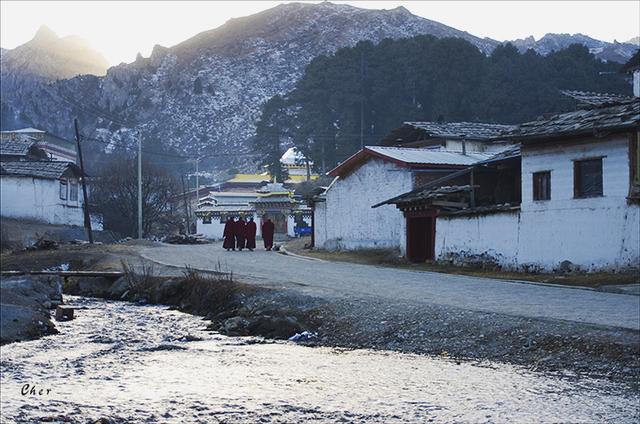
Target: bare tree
x=115, y=194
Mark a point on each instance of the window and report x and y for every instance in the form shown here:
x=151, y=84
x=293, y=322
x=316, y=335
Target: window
x=635, y=159
x=206, y=219
x=587, y=178
x=63, y=190
x=542, y=185
x=73, y=191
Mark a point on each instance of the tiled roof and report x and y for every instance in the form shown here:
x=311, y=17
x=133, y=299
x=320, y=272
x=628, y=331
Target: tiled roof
x=468, y=130
x=588, y=98
x=584, y=121
x=232, y=208
x=18, y=147
x=431, y=194
x=274, y=199
x=39, y=169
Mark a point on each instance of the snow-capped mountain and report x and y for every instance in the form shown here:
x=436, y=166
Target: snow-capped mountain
x=202, y=96
x=613, y=52
x=51, y=57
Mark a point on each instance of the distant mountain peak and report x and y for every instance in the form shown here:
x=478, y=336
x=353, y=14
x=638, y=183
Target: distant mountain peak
x=45, y=33
x=50, y=57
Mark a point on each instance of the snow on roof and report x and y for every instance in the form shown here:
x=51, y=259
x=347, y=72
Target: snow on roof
x=292, y=157
x=24, y=130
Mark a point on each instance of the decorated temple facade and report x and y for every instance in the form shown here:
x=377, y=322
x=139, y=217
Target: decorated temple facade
x=273, y=201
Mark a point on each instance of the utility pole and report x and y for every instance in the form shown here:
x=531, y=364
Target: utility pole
x=139, y=185
x=85, y=198
x=186, y=208
x=361, y=100
x=197, y=182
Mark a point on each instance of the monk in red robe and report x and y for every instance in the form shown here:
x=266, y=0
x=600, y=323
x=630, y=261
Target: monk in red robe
x=250, y=234
x=268, y=228
x=240, y=230
x=229, y=235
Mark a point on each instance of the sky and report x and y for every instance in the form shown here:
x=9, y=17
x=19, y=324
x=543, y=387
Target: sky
x=119, y=30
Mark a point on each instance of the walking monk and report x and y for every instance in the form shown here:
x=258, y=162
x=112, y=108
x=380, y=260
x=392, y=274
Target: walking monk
x=229, y=235
x=268, y=229
x=250, y=234
x=240, y=230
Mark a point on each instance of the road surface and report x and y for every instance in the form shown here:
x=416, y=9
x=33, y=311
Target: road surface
x=341, y=279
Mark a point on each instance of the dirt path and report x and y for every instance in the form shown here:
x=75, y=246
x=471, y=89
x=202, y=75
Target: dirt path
x=344, y=280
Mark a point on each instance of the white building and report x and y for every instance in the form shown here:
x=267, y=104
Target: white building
x=56, y=148
x=577, y=204
x=272, y=201
x=343, y=217
x=46, y=191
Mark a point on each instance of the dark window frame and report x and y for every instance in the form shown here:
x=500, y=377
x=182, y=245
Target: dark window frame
x=73, y=189
x=579, y=191
x=64, y=194
x=538, y=194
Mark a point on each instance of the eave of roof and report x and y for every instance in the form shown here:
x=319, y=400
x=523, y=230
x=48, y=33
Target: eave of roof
x=360, y=157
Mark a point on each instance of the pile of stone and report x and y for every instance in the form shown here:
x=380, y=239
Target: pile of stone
x=43, y=244
x=186, y=239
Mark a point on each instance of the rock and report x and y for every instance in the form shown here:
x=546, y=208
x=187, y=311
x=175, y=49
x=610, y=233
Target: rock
x=274, y=327
x=88, y=286
x=43, y=244
x=305, y=336
x=24, y=313
x=119, y=288
x=166, y=290
x=64, y=313
x=565, y=266
x=235, y=326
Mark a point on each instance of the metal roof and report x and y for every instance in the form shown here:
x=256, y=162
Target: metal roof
x=584, y=121
x=38, y=169
x=468, y=130
x=428, y=156
x=408, y=157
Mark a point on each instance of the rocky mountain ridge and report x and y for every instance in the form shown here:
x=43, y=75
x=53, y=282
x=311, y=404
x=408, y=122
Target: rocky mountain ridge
x=203, y=96
x=611, y=52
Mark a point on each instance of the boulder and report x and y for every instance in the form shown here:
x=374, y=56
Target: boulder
x=274, y=327
x=235, y=326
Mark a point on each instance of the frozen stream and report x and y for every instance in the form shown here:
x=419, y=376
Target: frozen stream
x=132, y=363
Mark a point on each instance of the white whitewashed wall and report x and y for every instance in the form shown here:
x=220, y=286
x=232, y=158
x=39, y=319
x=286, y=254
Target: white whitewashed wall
x=215, y=230
x=38, y=199
x=346, y=220
x=596, y=233
x=494, y=236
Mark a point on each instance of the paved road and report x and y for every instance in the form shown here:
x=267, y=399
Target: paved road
x=340, y=279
